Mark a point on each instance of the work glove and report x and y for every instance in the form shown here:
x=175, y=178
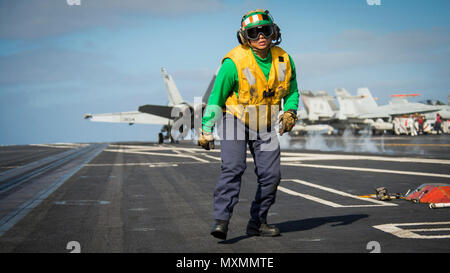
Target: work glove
x=206, y=140
x=287, y=121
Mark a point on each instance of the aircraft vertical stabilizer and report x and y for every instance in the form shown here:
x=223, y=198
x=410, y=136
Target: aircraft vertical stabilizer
x=347, y=104
x=367, y=102
x=318, y=105
x=172, y=90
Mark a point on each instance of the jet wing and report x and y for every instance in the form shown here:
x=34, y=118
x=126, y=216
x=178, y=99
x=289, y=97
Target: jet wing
x=128, y=117
x=374, y=115
x=413, y=111
x=158, y=110
x=409, y=108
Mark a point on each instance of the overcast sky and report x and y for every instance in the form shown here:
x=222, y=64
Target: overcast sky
x=59, y=61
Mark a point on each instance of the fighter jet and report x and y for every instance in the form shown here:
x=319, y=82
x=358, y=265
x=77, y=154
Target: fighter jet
x=398, y=106
x=322, y=114
x=397, y=116
x=320, y=107
x=355, y=112
x=320, y=111
x=166, y=115
x=444, y=111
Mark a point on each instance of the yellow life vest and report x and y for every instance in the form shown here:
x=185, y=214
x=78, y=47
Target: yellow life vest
x=258, y=100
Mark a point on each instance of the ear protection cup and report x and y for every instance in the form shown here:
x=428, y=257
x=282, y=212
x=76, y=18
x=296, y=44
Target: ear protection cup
x=277, y=34
x=241, y=37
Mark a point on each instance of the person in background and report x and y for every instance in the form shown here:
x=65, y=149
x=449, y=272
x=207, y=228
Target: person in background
x=437, y=124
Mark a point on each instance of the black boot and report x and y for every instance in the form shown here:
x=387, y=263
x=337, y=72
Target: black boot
x=255, y=228
x=220, y=229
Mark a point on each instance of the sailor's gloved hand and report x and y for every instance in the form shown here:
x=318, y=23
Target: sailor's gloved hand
x=206, y=140
x=287, y=121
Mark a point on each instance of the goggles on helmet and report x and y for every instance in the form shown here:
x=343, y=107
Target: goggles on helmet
x=254, y=32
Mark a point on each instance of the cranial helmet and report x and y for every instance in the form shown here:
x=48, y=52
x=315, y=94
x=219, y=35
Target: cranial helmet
x=256, y=19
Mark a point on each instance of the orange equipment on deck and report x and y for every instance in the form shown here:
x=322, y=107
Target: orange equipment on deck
x=430, y=193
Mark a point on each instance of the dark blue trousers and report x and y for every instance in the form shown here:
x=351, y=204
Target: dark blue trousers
x=265, y=149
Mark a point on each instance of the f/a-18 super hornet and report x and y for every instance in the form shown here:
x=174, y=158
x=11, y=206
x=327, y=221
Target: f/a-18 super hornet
x=355, y=112
x=398, y=106
x=444, y=111
x=321, y=113
x=166, y=115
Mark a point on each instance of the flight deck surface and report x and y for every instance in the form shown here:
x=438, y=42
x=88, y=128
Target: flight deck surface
x=144, y=197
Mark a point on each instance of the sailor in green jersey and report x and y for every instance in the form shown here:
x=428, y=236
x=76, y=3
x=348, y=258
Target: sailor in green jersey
x=256, y=73
x=227, y=81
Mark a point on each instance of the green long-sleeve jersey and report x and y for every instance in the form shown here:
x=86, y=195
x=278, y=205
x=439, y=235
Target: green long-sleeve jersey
x=227, y=81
